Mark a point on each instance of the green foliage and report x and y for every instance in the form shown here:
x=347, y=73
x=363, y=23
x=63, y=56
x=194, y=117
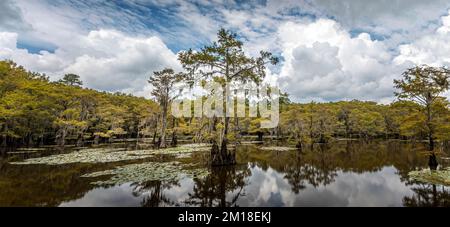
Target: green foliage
x=424, y=85
x=226, y=60
x=71, y=80
x=150, y=171
x=307, y=123
x=439, y=177
x=163, y=85
x=34, y=110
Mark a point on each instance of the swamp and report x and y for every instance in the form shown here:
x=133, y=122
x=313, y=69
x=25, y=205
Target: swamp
x=343, y=173
x=268, y=108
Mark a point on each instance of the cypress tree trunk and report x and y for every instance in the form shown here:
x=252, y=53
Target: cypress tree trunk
x=430, y=141
x=223, y=157
x=260, y=136
x=162, y=141
x=155, y=132
x=216, y=158
x=432, y=162
x=61, y=139
x=236, y=130
x=299, y=145
x=4, y=141
x=5, y=137
x=80, y=140
x=96, y=139
x=174, y=142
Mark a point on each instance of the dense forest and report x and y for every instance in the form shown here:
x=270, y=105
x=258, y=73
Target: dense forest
x=37, y=111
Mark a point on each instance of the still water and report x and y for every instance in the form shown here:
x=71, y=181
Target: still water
x=345, y=173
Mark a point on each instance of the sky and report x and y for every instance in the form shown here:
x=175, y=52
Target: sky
x=330, y=50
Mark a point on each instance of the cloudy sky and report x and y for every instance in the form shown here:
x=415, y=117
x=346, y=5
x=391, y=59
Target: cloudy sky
x=330, y=50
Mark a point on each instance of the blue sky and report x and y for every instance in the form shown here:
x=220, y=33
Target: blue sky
x=331, y=50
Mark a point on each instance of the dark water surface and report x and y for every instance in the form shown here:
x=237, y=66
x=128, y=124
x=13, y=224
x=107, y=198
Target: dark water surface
x=345, y=173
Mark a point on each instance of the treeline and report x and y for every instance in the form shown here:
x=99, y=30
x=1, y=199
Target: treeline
x=310, y=123
x=322, y=122
x=35, y=111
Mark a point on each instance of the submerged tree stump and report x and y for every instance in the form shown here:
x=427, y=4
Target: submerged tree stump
x=432, y=161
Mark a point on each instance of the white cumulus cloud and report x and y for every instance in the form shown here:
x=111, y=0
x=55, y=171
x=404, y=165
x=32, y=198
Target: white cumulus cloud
x=324, y=62
x=432, y=49
x=105, y=59
x=354, y=55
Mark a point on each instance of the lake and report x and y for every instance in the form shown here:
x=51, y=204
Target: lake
x=343, y=173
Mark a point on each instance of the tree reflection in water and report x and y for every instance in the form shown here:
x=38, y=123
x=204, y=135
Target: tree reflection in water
x=221, y=188
x=426, y=195
x=153, y=193
x=313, y=167
x=296, y=174
x=314, y=173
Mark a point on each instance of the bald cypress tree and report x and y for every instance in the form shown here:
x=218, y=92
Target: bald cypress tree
x=163, y=82
x=424, y=85
x=224, y=61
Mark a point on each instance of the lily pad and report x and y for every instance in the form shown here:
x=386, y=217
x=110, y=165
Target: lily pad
x=441, y=177
x=278, y=148
x=183, y=149
x=102, y=155
x=145, y=172
x=26, y=150
x=31, y=149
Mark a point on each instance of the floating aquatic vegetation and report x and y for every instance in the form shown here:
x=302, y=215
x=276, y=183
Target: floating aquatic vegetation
x=105, y=155
x=278, y=148
x=27, y=150
x=441, y=177
x=185, y=148
x=85, y=156
x=252, y=142
x=31, y=149
x=145, y=172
